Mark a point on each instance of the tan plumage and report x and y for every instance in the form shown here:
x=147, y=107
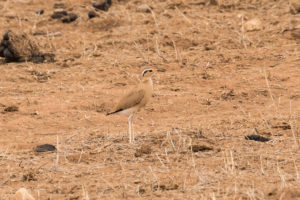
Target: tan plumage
x=134, y=100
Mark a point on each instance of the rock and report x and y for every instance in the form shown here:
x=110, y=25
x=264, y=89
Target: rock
x=45, y=148
x=294, y=6
x=144, y=8
x=46, y=57
x=2, y=48
x=39, y=12
x=208, y=47
x=69, y=18
x=197, y=148
x=102, y=4
x=20, y=47
x=92, y=14
x=5, y=36
x=23, y=194
x=257, y=138
x=253, y=25
x=59, y=14
x=11, y=109
x=7, y=54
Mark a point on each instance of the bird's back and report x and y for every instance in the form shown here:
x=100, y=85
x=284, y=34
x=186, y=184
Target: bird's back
x=136, y=98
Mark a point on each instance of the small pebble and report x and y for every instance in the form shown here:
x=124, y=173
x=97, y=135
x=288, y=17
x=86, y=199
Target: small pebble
x=257, y=138
x=45, y=148
x=92, y=14
x=39, y=12
x=102, y=4
x=70, y=18
x=197, y=148
x=11, y=109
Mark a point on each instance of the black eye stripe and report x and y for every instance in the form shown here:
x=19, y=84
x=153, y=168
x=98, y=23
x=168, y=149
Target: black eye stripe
x=146, y=70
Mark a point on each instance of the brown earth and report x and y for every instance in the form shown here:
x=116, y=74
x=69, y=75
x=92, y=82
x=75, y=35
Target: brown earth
x=231, y=69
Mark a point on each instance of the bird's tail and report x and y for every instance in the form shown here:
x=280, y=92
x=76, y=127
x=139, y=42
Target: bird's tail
x=114, y=112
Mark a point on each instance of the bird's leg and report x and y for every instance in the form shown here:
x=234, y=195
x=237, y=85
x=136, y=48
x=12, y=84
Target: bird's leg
x=132, y=127
x=129, y=126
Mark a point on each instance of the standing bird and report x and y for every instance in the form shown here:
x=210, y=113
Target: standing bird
x=133, y=101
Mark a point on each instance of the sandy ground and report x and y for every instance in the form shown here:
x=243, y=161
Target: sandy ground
x=219, y=80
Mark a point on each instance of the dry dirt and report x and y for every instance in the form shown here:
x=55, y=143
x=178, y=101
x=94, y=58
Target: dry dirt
x=219, y=80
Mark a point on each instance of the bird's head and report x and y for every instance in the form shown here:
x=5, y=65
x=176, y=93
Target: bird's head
x=147, y=73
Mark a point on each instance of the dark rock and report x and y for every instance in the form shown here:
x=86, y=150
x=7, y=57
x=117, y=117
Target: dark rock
x=46, y=57
x=197, y=148
x=11, y=109
x=8, y=55
x=5, y=36
x=39, y=12
x=45, y=148
x=70, y=18
x=73, y=16
x=92, y=14
x=102, y=4
x=1, y=51
x=109, y=2
x=20, y=47
x=38, y=59
x=4, y=43
x=59, y=14
x=257, y=138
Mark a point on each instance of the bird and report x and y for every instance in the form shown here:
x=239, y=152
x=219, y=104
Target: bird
x=135, y=99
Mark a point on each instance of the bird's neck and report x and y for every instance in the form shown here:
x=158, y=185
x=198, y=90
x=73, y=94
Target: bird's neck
x=148, y=82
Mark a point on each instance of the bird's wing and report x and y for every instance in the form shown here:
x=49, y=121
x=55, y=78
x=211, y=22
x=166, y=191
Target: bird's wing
x=131, y=99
